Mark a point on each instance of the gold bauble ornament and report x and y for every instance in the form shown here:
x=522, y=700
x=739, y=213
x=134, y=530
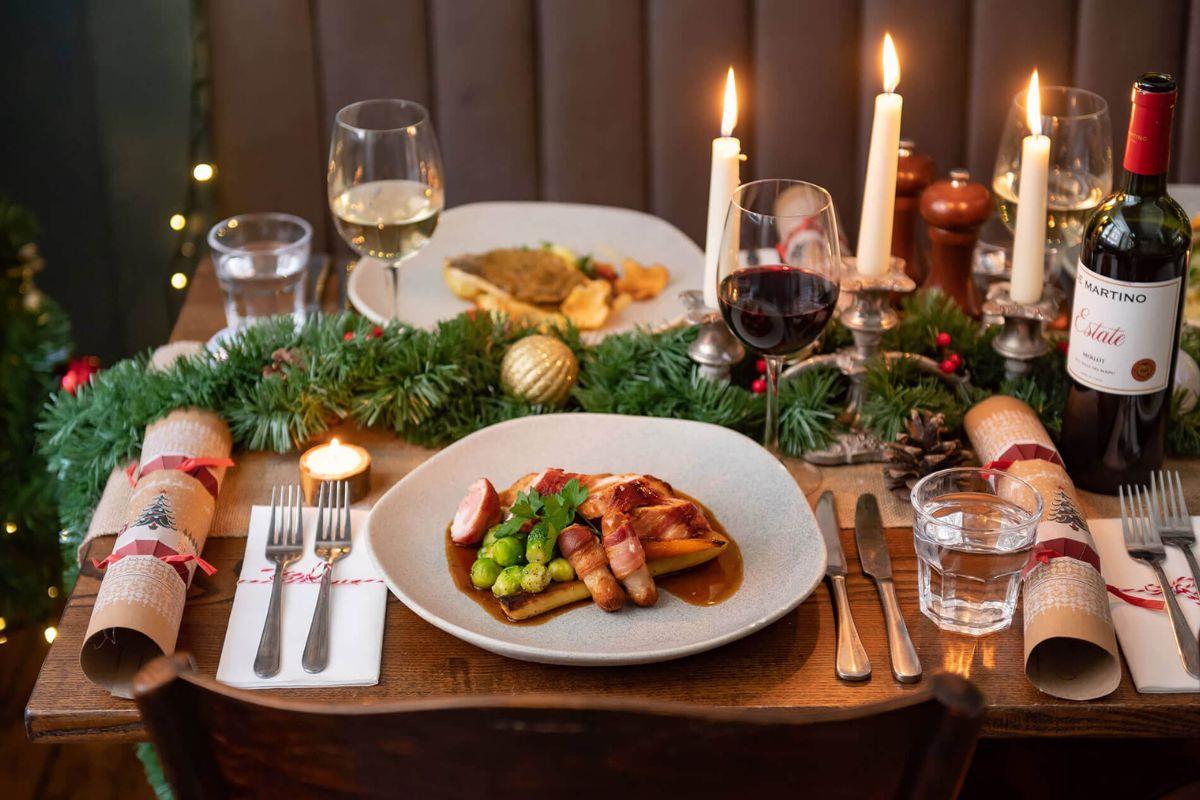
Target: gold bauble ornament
x=539, y=369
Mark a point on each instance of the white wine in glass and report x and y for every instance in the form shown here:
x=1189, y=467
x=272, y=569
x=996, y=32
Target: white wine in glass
x=1071, y=199
x=385, y=181
x=1077, y=123
x=386, y=219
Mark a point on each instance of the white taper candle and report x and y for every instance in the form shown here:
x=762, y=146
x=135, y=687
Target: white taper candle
x=879, y=189
x=723, y=181
x=1029, y=238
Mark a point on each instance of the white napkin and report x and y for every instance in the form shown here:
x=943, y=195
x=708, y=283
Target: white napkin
x=1145, y=635
x=357, y=606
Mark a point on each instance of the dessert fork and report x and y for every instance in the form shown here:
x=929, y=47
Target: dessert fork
x=1142, y=543
x=285, y=542
x=1172, y=519
x=332, y=542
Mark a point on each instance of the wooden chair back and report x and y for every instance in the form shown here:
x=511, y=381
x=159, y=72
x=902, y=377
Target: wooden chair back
x=218, y=742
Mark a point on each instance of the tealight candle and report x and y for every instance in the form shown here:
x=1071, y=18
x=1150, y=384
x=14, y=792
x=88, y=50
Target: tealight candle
x=335, y=461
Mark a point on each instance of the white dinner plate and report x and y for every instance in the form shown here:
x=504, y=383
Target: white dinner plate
x=748, y=490
x=608, y=234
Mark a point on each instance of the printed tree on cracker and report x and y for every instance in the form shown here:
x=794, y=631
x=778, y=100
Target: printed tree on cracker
x=1064, y=511
x=156, y=515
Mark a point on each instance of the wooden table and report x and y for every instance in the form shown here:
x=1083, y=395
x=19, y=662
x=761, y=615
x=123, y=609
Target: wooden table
x=789, y=664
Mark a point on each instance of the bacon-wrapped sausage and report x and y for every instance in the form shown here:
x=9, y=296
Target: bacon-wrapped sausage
x=628, y=559
x=477, y=512
x=580, y=547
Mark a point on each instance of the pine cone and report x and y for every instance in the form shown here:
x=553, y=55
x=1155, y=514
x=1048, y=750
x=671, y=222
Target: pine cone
x=919, y=450
x=282, y=361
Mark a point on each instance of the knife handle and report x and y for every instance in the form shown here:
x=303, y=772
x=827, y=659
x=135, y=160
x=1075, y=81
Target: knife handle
x=906, y=667
x=852, y=661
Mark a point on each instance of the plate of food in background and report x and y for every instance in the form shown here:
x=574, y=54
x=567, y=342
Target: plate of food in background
x=605, y=270
x=598, y=539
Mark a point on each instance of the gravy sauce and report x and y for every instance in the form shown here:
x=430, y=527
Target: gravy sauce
x=708, y=584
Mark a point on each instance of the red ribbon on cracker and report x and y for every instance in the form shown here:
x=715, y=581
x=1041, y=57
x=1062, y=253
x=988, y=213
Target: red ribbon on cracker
x=199, y=468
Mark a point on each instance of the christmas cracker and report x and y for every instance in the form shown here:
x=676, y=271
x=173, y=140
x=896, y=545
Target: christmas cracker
x=1070, y=644
x=139, y=605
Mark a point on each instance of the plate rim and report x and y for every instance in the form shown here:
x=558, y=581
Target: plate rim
x=543, y=655
x=356, y=274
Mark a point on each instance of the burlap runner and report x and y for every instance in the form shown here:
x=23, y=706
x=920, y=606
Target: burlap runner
x=250, y=483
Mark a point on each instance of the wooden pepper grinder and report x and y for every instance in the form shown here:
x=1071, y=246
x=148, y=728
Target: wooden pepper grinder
x=954, y=210
x=914, y=171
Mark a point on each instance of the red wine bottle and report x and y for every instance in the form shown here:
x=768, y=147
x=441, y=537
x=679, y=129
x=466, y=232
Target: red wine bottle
x=1127, y=310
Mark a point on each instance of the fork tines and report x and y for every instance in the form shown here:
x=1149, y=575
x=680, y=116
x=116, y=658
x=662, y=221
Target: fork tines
x=333, y=513
x=286, y=529
x=1137, y=524
x=1170, y=509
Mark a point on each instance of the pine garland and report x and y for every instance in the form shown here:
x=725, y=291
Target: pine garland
x=278, y=387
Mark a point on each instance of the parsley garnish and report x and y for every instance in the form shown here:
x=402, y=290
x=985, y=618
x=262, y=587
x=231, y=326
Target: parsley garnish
x=556, y=511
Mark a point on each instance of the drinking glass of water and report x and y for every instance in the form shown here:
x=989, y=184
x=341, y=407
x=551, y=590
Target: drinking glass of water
x=261, y=262
x=973, y=531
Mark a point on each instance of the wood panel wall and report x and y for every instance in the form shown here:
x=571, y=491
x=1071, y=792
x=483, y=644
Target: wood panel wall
x=615, y=101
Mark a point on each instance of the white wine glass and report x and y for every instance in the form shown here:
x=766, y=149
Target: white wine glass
x=385, y=181
x=1081, y=169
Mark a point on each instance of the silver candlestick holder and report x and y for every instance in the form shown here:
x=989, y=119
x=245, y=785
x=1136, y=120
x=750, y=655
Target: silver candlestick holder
x=1022, y=338
x=715, y=349
x=868, y=316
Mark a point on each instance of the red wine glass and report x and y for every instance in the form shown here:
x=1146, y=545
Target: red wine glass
x=778, y=274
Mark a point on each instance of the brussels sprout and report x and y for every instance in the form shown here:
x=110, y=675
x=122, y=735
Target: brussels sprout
x=507, y=582
x=507, y=551
x=540, y=544
x=534, y=578
x=560, y=570
x=484, y=572
x=484, y=552
x=490, y=538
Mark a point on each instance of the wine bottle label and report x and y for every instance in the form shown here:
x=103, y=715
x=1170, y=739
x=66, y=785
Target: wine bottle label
x=1122, y=333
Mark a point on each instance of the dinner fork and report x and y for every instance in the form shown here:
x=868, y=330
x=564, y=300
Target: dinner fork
x=285, y=542
x=332, y=542
x=1142, y=543
x=1172, y=519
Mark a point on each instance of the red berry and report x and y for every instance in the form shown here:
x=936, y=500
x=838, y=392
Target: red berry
x=947, y=366
x=943, y=339
x=759, y=386
x=376, y=332
x=347, y=336
x=1062, y=345
x=761, y=366
x=956, y=358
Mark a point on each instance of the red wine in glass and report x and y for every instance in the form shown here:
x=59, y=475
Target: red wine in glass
x=777, y=310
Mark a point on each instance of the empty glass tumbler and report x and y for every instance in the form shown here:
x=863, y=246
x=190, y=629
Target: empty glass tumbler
x=261, y=262
x=973, y=531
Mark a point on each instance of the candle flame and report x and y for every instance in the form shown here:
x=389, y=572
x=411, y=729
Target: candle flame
x=335, y=443
x=1033, y=106
x=891, y=65
x=729, y=117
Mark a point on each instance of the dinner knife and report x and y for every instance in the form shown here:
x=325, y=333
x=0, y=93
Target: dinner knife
x=852, y=661
x=876, y=562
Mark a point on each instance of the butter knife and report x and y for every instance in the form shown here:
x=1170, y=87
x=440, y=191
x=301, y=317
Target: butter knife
x=877, y=562
x=852, y=661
